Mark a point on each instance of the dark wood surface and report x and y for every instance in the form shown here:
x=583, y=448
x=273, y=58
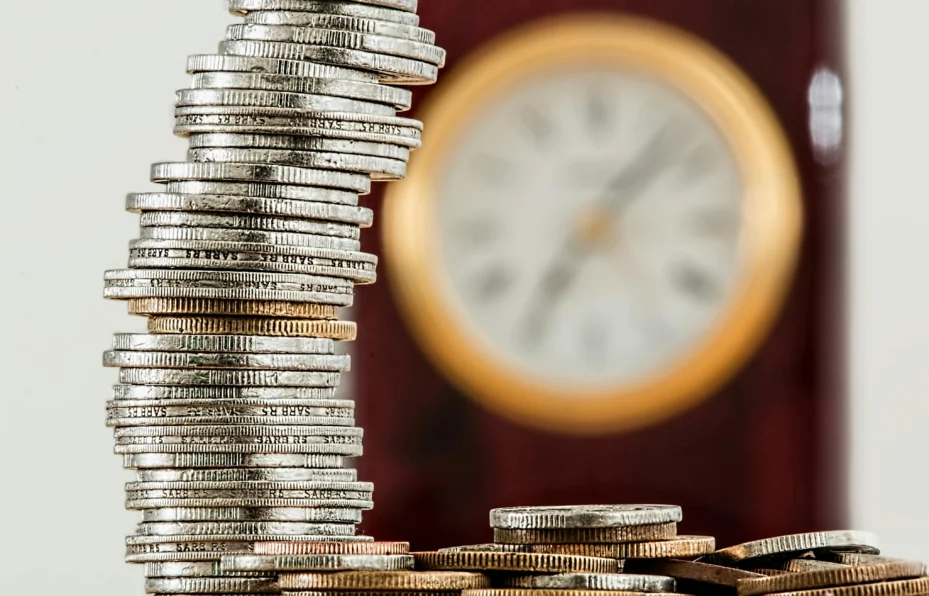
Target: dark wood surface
x=761, y=457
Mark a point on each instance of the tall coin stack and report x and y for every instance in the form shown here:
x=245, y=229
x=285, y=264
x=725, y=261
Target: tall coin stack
x=226, y=407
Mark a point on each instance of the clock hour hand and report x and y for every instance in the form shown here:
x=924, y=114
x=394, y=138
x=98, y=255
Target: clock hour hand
x=558, y=278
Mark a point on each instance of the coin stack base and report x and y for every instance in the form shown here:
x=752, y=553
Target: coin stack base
x=228, y=406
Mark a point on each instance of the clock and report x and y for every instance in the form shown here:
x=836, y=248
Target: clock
x=600, y=227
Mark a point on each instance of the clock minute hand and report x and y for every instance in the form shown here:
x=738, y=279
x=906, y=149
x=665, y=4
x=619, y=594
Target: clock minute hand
x=627, y=186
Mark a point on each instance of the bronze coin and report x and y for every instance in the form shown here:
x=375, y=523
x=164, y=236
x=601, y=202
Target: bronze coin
x=522, y=562
x=336, y=330
x=832, y=576
x=332, y=548
x=586, y=536
x=692, y=571
x=429, y=581
x=231, y=308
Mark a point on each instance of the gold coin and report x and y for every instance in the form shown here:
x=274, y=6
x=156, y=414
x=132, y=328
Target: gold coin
x=332, y=548
x=906, y=587
x=585, y=536
x=337, y=330
x=436, y=581
x=525, y=562
x=831, y=577
x=231, y=308
x=681, y=546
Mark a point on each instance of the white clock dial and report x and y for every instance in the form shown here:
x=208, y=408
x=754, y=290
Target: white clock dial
x=589, y=227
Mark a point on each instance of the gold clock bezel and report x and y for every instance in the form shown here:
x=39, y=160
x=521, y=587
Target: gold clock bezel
x=770, y=239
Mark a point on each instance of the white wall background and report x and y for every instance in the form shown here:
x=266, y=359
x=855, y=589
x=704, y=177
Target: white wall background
x=889, y=238
x=82, y=122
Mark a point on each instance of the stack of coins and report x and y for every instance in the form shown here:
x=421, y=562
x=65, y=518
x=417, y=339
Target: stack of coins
x=227, y=406
x=346, y=569
x=836, y=563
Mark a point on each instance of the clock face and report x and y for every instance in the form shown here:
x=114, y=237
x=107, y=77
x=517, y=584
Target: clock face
x=600, y=226
x=589, y=225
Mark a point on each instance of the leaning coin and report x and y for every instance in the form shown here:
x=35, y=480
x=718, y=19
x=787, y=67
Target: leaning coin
x=259, y=189
x=351, y=9
x=336, y=330
x=586, y=536
x=234, y=308
x=842, y=540
x=345, y=40
x=341, y=23
x=348, y=229
x=394, y=69
x=210, y=360
x=317, y=562
x=237, y=378
x=260, y=207
x=432, y=581
x=226, y=528
x=523, y=562
x=583, y=516
x=282, y=514
x=393, y=96
x=253, y=344
x=146, y=461
x=190, y=569
x=379, y=168
x=247, y=64
x=200, y=141
x=622, y=582
x=284, y=100
x=906, y=587
x=691, y=571
x=332, y=548
x=211, y=585
x=830, y=577
x=166, y=172
x=407, y=5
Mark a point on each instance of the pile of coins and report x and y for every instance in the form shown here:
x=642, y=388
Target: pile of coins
x=227, y=407
x=632, y=550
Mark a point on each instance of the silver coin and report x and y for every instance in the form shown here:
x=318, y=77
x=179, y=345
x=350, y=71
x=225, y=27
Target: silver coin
x=169, y=254
x=841, y=540
x=143, y=549
x=220, y=236
x=345, y=8
x=162, y=413
x=234, y=172
x=368, y=92
x=275, y=100
x=341, y=22
x=622, y=582
x=201, y=141
x=583, y=516
x=345, y=40
x=407, y=5
x=316, y=70
x=236, y=394
x=393, y=69
x=402, y=131
x=488, y=548
x=251, y=499
x=307, y=126
x=260, y=189
x=223, y=360
x=210, y=528
x=255, y=344
x=379, y=168
x=248, y=475
x=226, y=285
x=236, y=445
x=317, y=562
x=311, y=433
x=284, y=514
x=211, y=585
x=354, y=216
x=147, y=461
x=194, y=569
x=266, y=208
x=237, y=378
